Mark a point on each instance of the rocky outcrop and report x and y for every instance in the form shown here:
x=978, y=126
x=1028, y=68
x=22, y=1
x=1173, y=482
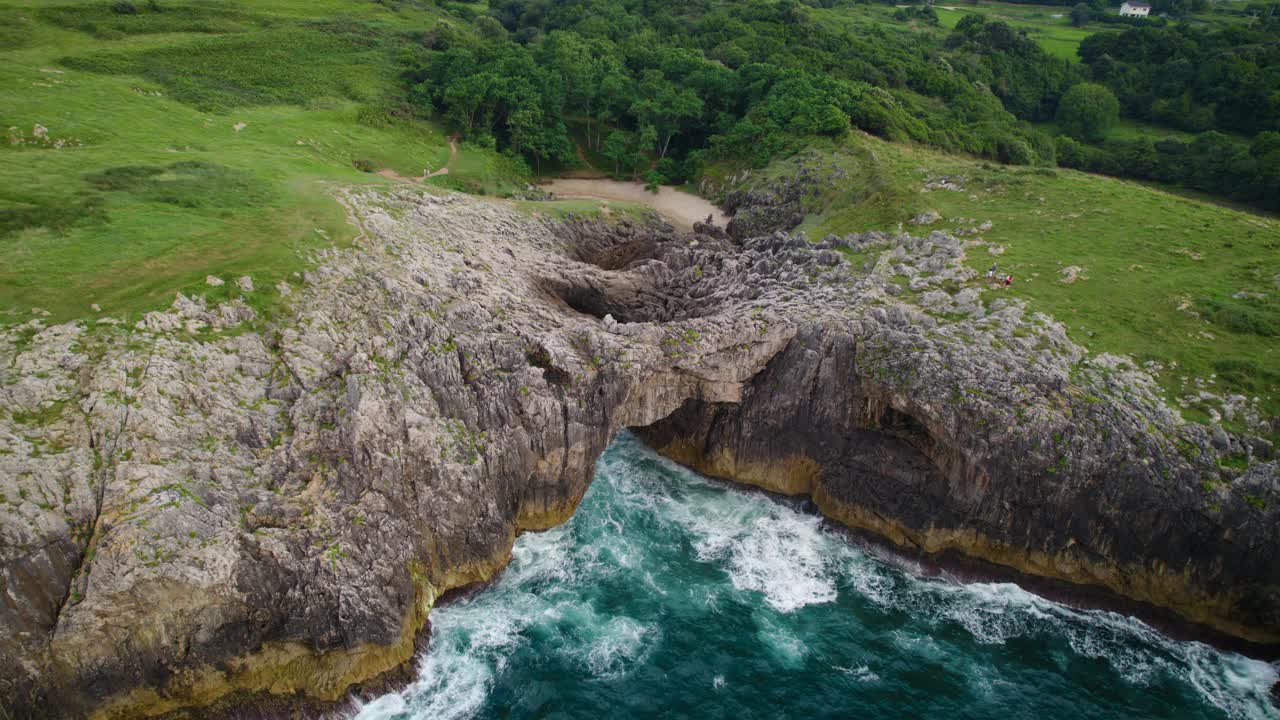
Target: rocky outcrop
x=203, y=506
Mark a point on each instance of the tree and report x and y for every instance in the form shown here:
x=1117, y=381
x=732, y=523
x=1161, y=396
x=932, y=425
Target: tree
x=617, y=147
x=1080, y=15
x=466, y=96
x=666, y=108
x=1087, y=111
x=489, y=28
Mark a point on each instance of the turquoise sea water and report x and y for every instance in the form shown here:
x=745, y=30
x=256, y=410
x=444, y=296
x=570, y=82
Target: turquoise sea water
x=669, y=595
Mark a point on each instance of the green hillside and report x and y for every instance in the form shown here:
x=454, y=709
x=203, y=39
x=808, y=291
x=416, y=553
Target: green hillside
x=1189, y=286
x=150, y=145
x=146, y=151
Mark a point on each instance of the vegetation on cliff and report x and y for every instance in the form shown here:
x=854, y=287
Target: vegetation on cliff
x=150, y=150
x=672, y=84
x=1185, y=287
x=351, y=408
x=143, y=152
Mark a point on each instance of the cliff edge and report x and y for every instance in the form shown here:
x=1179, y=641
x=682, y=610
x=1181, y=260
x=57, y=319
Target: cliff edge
x=202, y=507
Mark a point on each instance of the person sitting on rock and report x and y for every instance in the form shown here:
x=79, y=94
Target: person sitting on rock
x=1008, y=280
x=992, y=272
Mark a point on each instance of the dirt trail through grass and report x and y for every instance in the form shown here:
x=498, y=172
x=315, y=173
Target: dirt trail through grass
x=453, y=155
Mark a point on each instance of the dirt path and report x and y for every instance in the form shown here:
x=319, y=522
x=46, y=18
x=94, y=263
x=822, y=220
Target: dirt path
x=453, y=155
x=680, y=208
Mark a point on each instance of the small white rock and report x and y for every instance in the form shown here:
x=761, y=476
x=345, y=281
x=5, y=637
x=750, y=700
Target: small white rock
x=245, y=283
x=213, y=280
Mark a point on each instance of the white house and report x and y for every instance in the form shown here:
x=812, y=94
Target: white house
x=1135, y=9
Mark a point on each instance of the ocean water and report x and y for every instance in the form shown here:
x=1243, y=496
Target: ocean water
x=669, y=595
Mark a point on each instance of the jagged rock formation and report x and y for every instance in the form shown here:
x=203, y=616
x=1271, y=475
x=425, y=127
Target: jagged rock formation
x=202, y=508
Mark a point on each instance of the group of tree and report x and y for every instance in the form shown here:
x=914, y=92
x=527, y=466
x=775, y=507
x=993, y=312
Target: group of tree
x=644, y=82
x=1192, y=78
x=1210, y=162
x=656, y=87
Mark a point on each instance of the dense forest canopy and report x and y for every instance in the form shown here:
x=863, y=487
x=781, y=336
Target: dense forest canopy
x=657, y=87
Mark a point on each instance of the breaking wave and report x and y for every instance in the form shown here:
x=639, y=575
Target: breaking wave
x=669, y=594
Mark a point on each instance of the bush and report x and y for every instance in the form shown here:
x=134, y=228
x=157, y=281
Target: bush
x=1043, y=146
x=124, y=7
x=670, y=171
x=1080, y=15
x=55, y=214
x=374, y=116
x=1087, y=111
x=653, y=180
x=1014, y=151
x=125, y=177
x=1244, y=321
x=363, y=165
x=1242, y=316
x=1071, y=154
x=187, y=183
x=1245, y=375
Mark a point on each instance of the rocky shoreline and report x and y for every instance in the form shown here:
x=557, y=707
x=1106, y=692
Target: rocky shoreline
x=204, y=506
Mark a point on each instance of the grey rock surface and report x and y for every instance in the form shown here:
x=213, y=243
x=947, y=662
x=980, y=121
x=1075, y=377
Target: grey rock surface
x=205, y=505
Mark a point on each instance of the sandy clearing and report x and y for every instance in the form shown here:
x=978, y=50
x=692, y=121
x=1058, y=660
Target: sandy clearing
x=680, y=208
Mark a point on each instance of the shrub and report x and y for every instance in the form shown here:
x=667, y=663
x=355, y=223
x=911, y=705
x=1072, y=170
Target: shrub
x=1245, y=375
x=1245, y=321
x=669, y=169
x=653, y=180
x=1242, y=316
x=125, y=177
x=1087, y=111
x=124, y=7
x=187, y=183
x=374, y=116
x=1014, y=151
x=363, y=165
x=55, y=214
x=1071, y=153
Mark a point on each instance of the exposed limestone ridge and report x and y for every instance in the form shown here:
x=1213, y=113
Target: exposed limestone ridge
x=193, y=508
x=197, y=508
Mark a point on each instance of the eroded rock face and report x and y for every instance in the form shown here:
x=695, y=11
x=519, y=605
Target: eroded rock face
x=201, y=506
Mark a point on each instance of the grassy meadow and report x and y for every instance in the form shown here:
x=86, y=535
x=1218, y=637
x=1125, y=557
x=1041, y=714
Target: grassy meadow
x=1159, y=271
x=1048, y=25
x=147, y=151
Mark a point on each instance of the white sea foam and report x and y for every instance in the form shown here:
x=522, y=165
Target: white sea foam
x=386, y=707
x=861, y=673
x=788, y=649
x=870, y=579
x=641, y=518
x=763, y=546
x=615, y=645
x=452, y=684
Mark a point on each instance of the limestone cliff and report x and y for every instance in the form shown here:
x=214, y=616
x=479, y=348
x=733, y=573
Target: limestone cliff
x=204, y=505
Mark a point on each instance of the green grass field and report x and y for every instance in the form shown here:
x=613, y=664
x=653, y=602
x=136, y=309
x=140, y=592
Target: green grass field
x=1159, y=269
x=195, y=141
x=1048, y=25
x=147, y=151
